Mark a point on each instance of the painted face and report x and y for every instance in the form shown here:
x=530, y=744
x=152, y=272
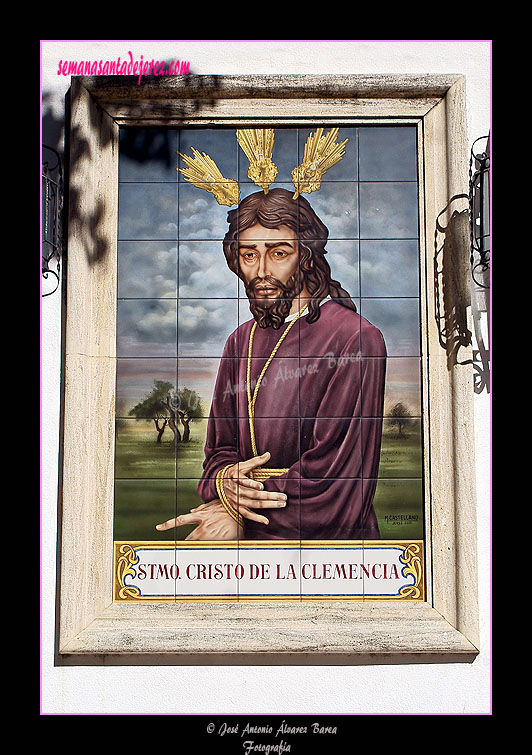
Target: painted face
x=268, y=259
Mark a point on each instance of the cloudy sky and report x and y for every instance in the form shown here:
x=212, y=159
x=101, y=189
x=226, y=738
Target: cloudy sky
x=178, y=298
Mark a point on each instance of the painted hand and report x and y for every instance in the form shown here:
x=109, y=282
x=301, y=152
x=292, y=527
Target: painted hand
x=214, y=523
x=246, y=494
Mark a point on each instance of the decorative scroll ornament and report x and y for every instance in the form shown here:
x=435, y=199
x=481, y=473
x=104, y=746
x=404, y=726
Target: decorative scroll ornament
x=52, y=212
x=203, y=173
x=321, y=153
x=479, y=211
x=123, y=568
x=414, y=566
x=257, y=143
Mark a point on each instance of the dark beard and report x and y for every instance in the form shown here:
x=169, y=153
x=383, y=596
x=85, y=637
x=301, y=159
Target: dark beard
x=271, y=313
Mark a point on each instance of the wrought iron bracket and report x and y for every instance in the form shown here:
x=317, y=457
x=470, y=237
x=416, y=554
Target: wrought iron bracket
x=479, y=210
x=52, y=211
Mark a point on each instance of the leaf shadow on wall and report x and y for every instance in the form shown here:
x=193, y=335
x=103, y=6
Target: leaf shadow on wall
x=74, y=147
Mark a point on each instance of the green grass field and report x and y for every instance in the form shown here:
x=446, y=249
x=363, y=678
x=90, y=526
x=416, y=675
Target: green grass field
x=154, y=482
x=398, y=499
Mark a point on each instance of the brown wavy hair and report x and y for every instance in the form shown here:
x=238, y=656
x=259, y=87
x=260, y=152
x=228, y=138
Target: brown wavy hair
x=279, y=208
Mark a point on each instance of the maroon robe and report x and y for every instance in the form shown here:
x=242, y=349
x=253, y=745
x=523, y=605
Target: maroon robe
x=319, y=414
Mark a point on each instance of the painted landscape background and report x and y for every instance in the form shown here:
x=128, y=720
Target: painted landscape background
x=147, y=492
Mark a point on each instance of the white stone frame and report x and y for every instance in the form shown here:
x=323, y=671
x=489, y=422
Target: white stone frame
x=91, y=628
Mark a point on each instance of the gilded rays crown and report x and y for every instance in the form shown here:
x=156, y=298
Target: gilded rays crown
x=321, y=153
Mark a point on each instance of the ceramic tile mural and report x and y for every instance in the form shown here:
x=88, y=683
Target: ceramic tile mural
x=269, y=435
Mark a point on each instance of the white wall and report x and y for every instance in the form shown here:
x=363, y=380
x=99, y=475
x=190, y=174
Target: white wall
x=403, y=689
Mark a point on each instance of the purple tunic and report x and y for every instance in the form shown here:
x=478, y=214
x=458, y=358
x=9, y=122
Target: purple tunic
x=319, y=414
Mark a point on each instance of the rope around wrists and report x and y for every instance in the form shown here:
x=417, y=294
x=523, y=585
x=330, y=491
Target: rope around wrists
x=223, y=497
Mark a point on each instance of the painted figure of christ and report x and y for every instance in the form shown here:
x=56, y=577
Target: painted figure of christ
x=294, y=433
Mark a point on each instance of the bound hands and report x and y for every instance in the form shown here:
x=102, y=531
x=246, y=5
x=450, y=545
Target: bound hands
x=244, y=494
